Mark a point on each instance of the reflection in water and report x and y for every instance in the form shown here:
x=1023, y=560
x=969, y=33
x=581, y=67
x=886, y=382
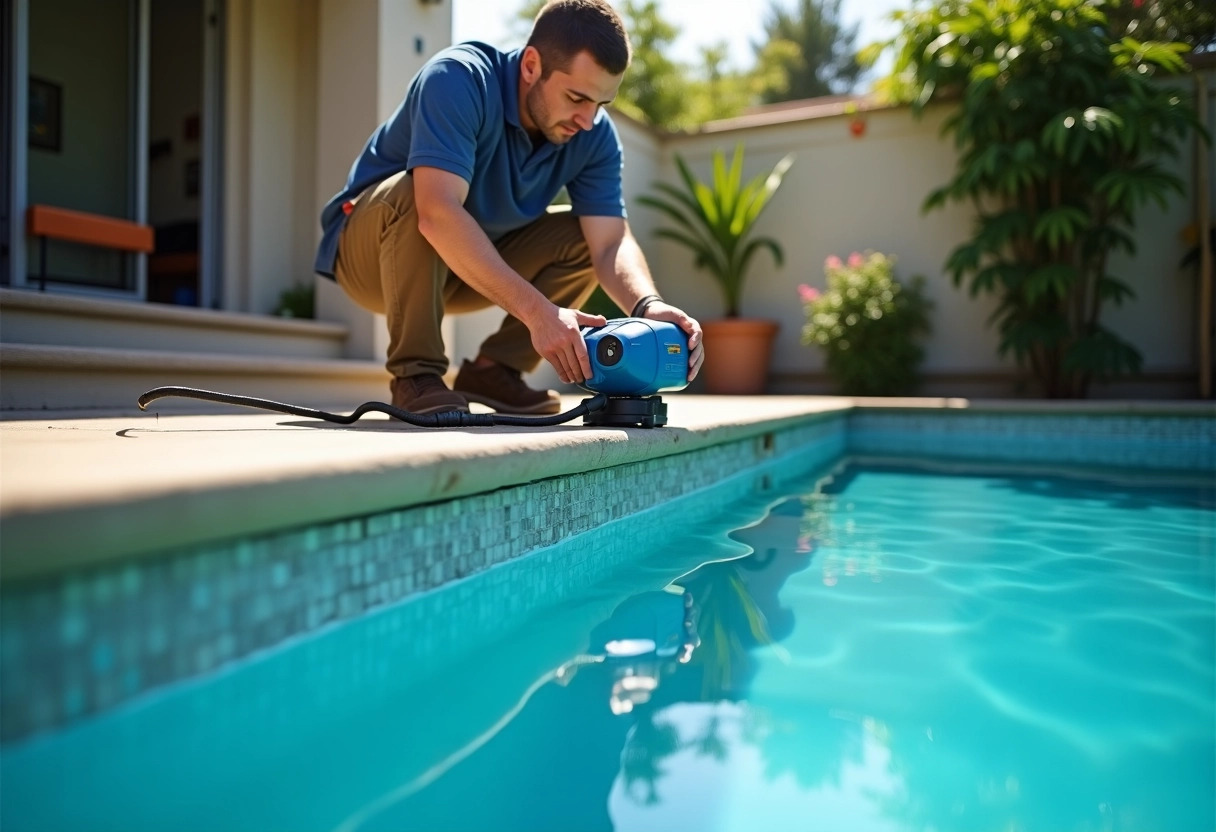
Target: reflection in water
x=1036, y=656
x=603, y=718
x=738, y=789
x=957, y=663
x=852, y=549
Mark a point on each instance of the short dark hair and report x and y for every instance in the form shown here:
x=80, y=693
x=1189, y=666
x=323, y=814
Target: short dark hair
x=566, y=27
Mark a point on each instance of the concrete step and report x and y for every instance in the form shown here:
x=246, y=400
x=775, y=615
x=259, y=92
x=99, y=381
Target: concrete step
x=50, y=377
x=28, y=317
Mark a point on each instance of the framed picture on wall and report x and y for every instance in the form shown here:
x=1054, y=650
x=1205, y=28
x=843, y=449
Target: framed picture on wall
x=46, y=115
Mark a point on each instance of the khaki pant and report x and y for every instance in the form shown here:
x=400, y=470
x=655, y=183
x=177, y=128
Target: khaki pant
x=386, y=266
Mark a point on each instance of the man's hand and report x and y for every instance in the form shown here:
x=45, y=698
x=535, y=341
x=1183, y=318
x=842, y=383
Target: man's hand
x=659, y=311
x=557, y=337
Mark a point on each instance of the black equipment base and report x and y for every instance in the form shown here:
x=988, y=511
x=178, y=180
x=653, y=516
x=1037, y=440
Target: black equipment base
x=630, y=412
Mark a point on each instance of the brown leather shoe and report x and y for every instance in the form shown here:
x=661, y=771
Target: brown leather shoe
x=425, y=393
x=504, y=390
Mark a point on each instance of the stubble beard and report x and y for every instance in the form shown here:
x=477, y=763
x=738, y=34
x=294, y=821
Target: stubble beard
x=538, y=111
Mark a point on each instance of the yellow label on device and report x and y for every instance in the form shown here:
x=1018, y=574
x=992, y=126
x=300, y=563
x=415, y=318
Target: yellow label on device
x=673, y=349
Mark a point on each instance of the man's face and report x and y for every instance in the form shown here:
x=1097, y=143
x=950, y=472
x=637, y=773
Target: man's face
x=566, y=102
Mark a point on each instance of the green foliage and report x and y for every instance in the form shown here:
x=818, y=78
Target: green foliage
x=868, y=325
x=1192, y=22
x=1061, y=131
x=655, y=88
x=719, y=92
x=808, y=52
x=715, y=221
x=600, y=304
x=297, y=302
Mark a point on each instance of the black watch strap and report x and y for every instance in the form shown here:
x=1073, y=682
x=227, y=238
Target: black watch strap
x=639, y=308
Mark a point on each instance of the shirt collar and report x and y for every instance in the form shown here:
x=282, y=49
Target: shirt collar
x=510, y=88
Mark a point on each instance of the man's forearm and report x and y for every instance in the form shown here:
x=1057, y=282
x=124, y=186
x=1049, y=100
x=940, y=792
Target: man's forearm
x=468, y=252
x=623, y=273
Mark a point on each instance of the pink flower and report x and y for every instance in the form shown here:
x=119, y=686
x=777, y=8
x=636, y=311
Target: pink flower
x=807, y=293
x=855, y=260
x=832, y=262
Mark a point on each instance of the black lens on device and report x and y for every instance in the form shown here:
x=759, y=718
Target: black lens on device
x=609, y=351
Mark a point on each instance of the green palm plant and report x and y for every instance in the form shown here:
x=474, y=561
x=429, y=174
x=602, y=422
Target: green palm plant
x=715, y=221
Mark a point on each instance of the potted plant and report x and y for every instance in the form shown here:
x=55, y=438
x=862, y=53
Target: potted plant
x=868, y=325
x=715, y=221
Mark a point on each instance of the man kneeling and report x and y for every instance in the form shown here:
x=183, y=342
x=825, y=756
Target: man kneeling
x=445, y=210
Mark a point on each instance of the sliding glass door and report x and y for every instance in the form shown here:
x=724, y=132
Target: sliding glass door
x=114, y=113
x=86, y=73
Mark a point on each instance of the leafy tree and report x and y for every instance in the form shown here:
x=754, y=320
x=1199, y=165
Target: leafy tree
x=1192, y=22
x=719, y=92
x=1061, y=130
x=655, y=88
x=808, y=52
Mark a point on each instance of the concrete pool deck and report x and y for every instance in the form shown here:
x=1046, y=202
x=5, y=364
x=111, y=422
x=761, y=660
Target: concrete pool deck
x=78, y=488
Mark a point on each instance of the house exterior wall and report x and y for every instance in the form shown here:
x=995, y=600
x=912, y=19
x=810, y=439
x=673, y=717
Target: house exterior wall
x=367, y=53
x=270, y=148
x=307, y=82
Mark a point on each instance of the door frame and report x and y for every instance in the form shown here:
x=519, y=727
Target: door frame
x=211, y=226
x=16, y=104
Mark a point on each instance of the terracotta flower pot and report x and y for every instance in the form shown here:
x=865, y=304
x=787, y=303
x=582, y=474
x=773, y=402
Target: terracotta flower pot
x=737, y=354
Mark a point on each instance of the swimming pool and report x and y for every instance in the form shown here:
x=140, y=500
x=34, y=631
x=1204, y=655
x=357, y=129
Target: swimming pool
x=877, y=645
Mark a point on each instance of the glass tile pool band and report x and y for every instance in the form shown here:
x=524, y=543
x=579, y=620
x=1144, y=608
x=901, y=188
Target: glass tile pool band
x=82, y=643
x=881, y=645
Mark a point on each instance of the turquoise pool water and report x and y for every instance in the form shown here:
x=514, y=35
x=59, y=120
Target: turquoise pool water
x=887, y=648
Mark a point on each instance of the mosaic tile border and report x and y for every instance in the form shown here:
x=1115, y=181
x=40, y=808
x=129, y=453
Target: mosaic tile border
x=1157, y=442
x=85, y=642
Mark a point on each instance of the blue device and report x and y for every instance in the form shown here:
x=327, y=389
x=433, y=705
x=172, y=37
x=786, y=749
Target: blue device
x=636, y=357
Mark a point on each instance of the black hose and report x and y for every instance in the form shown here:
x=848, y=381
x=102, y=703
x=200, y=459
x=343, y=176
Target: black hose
x=449, y=419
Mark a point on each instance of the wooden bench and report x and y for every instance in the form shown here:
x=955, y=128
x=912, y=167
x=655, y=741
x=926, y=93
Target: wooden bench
x=47, y=222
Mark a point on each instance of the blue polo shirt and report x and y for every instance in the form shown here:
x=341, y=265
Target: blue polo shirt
x=461, y=114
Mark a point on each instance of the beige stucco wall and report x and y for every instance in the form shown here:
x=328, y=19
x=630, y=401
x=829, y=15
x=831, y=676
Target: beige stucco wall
x=307, y=83
x=849, y=194
x=643, y=167
x=270, y=147
x=367, y=53
x=843, y=194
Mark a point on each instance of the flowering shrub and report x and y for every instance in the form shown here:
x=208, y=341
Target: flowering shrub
x=868, y=325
